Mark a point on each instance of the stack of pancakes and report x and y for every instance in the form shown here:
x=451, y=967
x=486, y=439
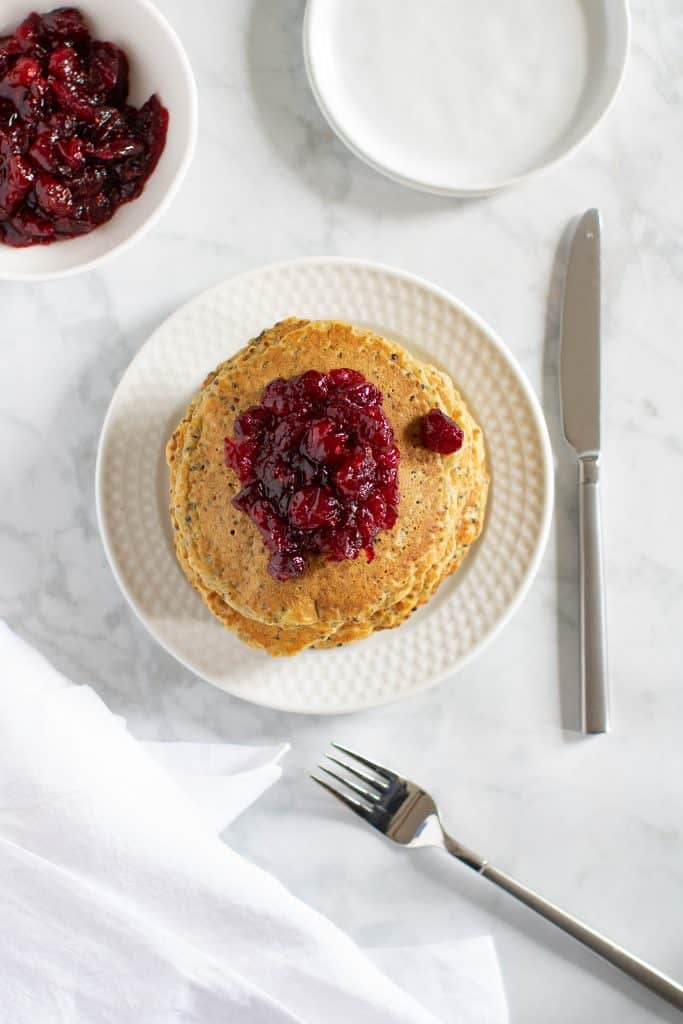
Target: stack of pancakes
x=220, y=550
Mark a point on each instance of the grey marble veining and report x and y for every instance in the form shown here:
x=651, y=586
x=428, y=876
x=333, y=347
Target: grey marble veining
x=593, y=823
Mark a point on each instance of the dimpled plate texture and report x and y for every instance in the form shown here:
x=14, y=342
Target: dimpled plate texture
x=469, y=608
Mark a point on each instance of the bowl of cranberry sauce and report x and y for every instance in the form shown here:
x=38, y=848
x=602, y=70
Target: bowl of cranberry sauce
x=98, y=115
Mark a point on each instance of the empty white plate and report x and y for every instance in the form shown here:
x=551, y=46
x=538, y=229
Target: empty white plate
x=464, y=97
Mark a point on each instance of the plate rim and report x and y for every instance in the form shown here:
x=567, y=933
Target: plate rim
x=459, y=191
x=545, y=448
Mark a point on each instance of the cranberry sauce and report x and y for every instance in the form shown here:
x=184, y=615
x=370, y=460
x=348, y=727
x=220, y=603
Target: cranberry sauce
x=319, y=468
x=440, y=433
x=72, y=150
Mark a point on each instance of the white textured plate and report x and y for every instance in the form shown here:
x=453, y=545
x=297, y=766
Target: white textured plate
x=463, y=97
x=132, y=484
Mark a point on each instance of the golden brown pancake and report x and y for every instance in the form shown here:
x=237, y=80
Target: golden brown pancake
x=221, y=551
x=221, y=541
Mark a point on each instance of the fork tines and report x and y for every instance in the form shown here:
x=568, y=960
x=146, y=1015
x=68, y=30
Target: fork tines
x=370, y=787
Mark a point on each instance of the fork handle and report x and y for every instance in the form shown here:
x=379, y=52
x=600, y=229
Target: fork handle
x=636, y=968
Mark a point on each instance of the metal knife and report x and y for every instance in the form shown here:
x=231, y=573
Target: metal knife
x=581, y=400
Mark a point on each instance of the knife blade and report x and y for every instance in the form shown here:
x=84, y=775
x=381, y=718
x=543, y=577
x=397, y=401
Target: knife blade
x=581, y=401
x=580, y=348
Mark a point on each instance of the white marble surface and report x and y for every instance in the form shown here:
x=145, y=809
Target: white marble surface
x=593, y=823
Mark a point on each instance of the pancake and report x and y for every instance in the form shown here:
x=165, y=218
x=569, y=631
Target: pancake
x=221, y=552
x=220, y=540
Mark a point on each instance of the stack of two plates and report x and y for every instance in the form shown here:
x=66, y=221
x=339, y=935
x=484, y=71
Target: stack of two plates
x=461, y=97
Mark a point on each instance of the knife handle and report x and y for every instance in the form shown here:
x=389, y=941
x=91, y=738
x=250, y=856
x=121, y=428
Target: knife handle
x=594, y=695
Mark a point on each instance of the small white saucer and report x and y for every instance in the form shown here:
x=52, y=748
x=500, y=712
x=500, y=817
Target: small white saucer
x=464, y=97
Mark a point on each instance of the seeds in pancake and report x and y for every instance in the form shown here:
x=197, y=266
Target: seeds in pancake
x=349, y=599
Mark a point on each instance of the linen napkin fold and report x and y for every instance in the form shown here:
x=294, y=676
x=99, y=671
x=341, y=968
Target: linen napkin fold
x=121, y=904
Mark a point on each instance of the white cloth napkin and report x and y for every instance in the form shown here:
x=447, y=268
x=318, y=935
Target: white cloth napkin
x=121, y=904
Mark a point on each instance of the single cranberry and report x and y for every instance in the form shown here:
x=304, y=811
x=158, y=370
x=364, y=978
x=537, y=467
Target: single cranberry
x=325, y=442
x=53, y=196
x=65, y=23
x=42, y=152
x=277, y=476
x=377, y=507
x=24, y=72
x=28, y=34
x=312, y=507
x=367, y=525
x=289, y=433
x=90, y=181
x=355, y=477
x=72, y=152
x=391, y=516
x=240, y=456
x=440, y=433
x=73, y=97
x=273, y=528
x=286, y=567
x=319, y=468
x=312, y=386
x=363, y=393
x=339, y=378
x=108, y=72
x=32, y=224
x=109, y=123
x=253, y=422
x=346, y=544
x=65, y=63
x=372, y=426
x=280, y=397
x=16, y=183
x=94, y=210
x=389, y=458
x=247, y=497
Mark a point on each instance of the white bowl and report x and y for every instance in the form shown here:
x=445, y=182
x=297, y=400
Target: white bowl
x=158, y=64
x=462, y=98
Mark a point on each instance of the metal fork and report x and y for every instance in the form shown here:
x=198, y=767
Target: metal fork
x=403, y=812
